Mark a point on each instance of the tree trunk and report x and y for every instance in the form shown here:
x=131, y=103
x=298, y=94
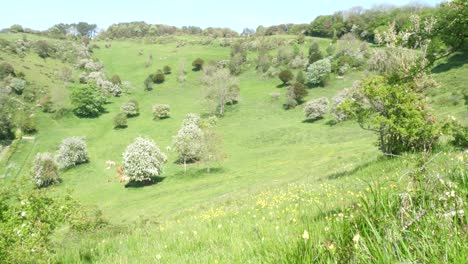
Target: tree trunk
x=185, y=166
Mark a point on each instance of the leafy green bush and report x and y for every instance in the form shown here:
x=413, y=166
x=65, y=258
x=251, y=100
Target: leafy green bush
x=159, y=77
x=87, y=101
x=314, y=53
x=6, y=69
x=120, y=120
x=198, y=64
x=401, y=119
x=286, y=76
x=167, y=69
x=116, y=80
x=149, y=83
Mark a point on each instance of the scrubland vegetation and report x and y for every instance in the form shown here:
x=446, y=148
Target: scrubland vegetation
x=343, y=140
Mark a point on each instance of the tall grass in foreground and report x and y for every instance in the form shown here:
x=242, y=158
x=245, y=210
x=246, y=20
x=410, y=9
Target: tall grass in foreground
x=411, y=216
x=425, y=223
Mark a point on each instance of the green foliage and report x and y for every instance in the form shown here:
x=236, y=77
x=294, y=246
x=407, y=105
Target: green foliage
x=314, y=53
x=131, y=108
x=45, y=170
x=87, y=101
x=318, y=72
x=16, y=28
x=286, y=76
x=426, y=221
x=6, y=69
x=161, y=111
x=116, y=80
x=27, y=222
x=167, y=69
x=159, y=77
x=197, y=64
x=43, y=49
x=120, y=120
x=149, y=83
x=294, y=95
x=300, y=78
x=399, y=116
x=28, y=124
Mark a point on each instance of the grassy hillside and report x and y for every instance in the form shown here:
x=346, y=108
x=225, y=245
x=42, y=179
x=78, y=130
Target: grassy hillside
x=281, y=175
x=262, y=140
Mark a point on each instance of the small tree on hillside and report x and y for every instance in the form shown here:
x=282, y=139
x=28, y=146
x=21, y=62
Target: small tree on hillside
x=189, y=143
x=161, y=111
x=316, y=109
x=88, y=101
x=285, y=76
x=131, y=108
x=116, y=80
x=220, y=89
x=159, y=77
x=198, y=64
x=314, y=53
x=149, y=83
x=212, y=152
x=45, y=170
x=72, y=151
x=142, y=160
x=399, y=115
x=318, y=72
x=120, y=120
x=300, y=78
x=167, y=69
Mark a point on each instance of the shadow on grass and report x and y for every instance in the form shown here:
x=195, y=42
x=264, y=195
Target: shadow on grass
x=138, y=184
x=331, y=123
x=311, y=120
x=455, y=61
x=282, y=85
x=339, y=175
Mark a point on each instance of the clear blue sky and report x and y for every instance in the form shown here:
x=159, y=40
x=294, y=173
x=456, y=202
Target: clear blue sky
x=236, y=14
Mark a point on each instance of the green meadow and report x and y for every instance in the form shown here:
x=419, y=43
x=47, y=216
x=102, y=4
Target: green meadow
x=281, y=175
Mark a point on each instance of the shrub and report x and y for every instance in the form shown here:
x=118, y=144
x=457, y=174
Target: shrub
x=28, y=124
x=43, y=49
x=191, y=118
x=298, y=63
x=316, y=109
x=318, y=72
x=6, y=69
x=116, y=80
x=130, y=108
x=285, y=54
x=17, y=85
x=198, y=64
x=161, y=111
x=149, y=83
x=142, y=160
x=159, y=77
x=87, y=101
x=235, y=64
x=300, y=78
x=167, y=69
x=400, y=116
x=45, y=170
x=291, y=101
x=220, y=89
x=314, y=53
x=72, y=151
x=285, y=76
x=120, y=120
x=189, y=142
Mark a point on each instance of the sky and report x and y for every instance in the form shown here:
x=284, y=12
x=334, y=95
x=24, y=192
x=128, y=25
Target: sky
x=235, y=14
